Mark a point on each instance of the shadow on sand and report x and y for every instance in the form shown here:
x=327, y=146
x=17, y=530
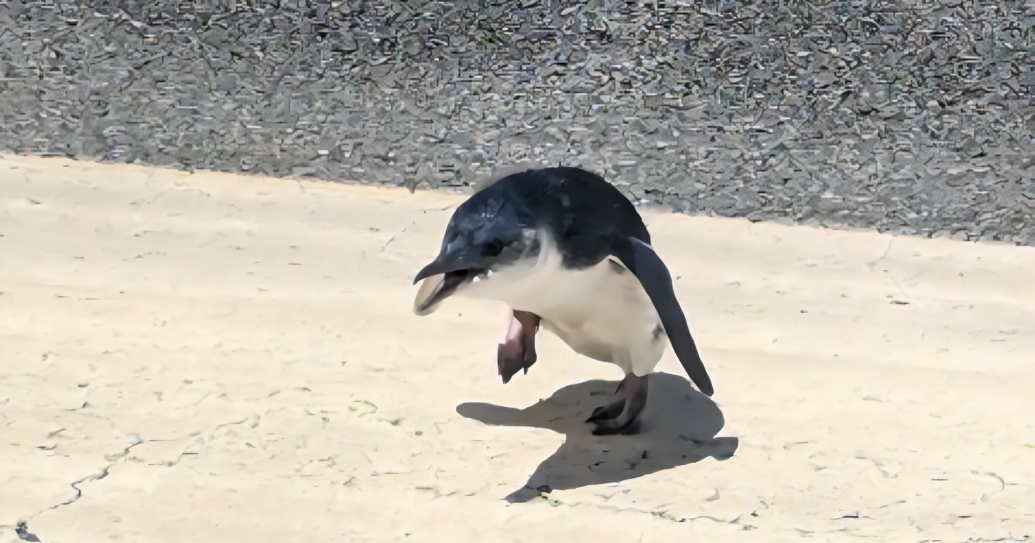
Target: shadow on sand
x=678, y=427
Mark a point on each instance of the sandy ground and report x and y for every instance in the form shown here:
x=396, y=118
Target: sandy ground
x=218, y=358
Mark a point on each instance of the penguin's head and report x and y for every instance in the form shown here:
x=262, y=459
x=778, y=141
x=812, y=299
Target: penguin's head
x=484, y=238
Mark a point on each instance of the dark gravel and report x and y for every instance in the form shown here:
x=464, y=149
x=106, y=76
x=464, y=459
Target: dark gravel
x=909, y=117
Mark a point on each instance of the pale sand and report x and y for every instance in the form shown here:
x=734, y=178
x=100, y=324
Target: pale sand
x=238, y=356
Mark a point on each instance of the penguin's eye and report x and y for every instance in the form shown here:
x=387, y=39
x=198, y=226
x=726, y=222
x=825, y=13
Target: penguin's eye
x=492, y=248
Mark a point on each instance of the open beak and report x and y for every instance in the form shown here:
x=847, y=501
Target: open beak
x=437, y=288
x=441, y=279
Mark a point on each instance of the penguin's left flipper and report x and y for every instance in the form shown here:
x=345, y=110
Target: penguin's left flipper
x=656, y=280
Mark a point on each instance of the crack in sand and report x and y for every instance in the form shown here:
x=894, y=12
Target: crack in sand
x=115, y=459
x=1002, y=487
x=186, y=450
x=656, y=514
x=78, y=492
x=93, y=477
x=22, y=526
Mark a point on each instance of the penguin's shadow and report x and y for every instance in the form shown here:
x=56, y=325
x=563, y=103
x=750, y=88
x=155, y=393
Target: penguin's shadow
x=678, y=427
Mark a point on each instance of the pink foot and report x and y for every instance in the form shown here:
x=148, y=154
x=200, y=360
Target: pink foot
x=517, y=352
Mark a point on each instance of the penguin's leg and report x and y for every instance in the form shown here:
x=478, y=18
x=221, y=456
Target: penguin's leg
x=620, y=417
x=517, y=352
x=611, y=410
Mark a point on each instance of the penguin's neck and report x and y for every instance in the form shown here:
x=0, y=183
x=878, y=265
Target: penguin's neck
x=546, y=287
x=530, y=285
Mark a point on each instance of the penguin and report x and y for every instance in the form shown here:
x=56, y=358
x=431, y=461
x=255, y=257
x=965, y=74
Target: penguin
x=566, y=251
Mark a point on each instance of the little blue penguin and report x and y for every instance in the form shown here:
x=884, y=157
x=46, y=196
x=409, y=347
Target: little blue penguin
x=566, y=250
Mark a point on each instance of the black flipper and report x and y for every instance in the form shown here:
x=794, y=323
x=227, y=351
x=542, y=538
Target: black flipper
x=645, y=264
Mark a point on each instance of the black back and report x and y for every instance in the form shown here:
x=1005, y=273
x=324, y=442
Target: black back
x=586, y=215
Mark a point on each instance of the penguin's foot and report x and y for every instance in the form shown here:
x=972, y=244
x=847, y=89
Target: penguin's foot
x=517, y=352
x=609, y=411
x=621, y=417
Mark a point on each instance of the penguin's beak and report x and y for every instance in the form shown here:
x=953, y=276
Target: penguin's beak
x=438, y=267
x=438, y=287
x=442, y=278
x=462, y=260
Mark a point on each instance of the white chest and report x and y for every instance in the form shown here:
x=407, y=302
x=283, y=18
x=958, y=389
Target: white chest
x=600, y=312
